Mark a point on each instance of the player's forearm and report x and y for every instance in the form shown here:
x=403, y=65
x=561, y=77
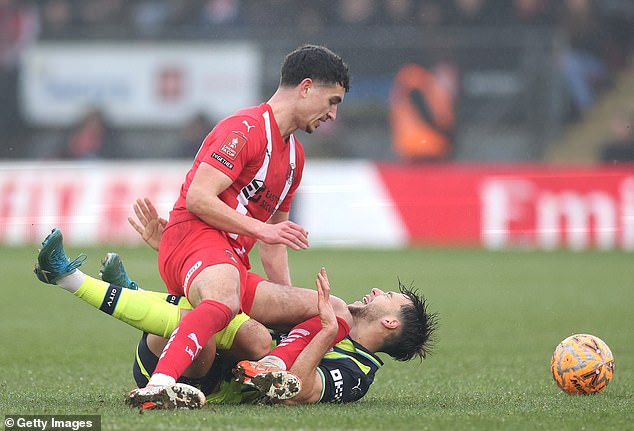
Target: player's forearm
x=216, y=213
x=305, y=367
x=275, y=263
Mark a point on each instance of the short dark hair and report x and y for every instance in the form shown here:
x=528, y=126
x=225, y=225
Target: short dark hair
x=416, y=335
x=315, y=62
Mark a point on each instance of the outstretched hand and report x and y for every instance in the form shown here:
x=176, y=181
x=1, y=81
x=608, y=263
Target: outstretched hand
x=326, y=312
x=151, y=224
x=305, y=366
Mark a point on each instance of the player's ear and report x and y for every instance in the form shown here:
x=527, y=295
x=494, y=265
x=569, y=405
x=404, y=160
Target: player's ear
x=305, y=86
x=390, y=322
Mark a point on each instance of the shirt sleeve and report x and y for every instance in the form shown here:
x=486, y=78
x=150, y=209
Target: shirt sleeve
x=228, y=149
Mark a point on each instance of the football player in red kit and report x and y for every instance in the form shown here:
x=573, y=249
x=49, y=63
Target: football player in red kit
x=238, y=192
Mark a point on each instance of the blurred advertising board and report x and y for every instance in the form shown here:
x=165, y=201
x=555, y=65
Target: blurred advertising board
x=514, y=206
x=138, y=84
x=353, y=203
x=89, y=201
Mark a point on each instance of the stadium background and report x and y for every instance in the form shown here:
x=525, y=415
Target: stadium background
x=489, y=117
x=104, y=101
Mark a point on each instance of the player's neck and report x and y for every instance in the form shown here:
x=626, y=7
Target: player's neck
x=366, y=334
x=283, y=112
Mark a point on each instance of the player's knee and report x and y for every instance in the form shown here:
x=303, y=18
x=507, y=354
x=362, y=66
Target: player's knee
x=233, y=305
x=262, y=345
x=155, y=343
x=256, y=338
x=252, y=341
x=219, y=283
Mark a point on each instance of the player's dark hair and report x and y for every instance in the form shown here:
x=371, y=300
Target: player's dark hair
x=416, y=336
x=315, y=62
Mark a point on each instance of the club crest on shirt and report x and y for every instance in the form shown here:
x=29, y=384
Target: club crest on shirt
x=232, y=145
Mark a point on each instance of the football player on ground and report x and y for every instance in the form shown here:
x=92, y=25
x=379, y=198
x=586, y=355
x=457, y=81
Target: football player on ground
x=342, y=373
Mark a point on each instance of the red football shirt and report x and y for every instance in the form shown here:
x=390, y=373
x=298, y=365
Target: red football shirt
x=265, y=169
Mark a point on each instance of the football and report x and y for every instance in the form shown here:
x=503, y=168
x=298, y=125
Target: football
x=582, y=364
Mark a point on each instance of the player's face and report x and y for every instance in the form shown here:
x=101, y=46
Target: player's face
x=321, y=105
x=379, y=303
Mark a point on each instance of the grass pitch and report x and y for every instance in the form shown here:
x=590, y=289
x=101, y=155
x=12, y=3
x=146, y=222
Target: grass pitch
x=501, y=316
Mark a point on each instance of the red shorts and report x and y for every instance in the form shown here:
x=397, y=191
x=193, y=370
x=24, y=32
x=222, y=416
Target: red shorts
x=189, y=247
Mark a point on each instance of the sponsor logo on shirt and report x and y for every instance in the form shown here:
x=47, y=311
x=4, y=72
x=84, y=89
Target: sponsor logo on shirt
x=222, y=160
x=256, y=192
x=232, y=145
x=337, y=379
x=253, y=190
